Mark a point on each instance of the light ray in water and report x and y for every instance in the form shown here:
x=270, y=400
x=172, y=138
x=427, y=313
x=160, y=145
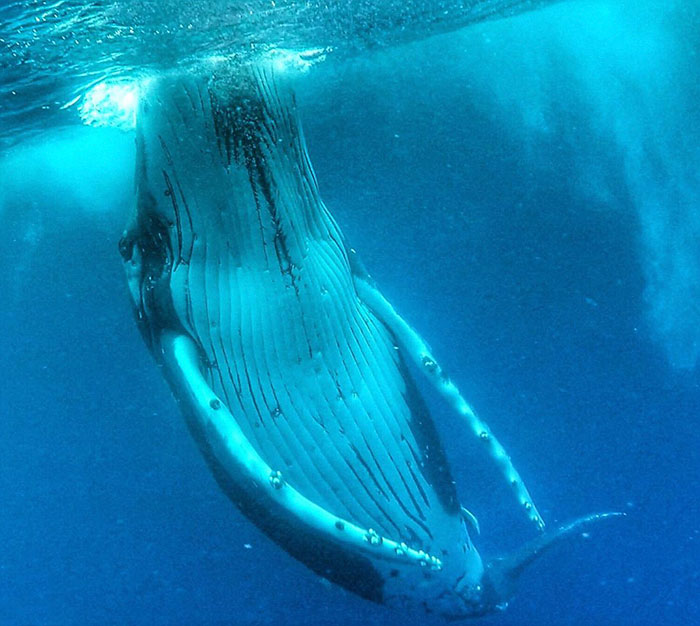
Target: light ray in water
x=622, y=93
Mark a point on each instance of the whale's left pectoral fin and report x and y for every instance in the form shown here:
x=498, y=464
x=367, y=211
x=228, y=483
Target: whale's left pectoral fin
x=243, y=463
x=418, y=351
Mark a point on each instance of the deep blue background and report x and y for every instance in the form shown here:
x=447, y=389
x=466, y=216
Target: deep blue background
x=487, y=237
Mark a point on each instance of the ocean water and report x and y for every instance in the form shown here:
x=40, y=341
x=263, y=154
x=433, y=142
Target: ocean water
x=526, y=193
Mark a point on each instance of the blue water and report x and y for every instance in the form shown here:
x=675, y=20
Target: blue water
x=526, y=193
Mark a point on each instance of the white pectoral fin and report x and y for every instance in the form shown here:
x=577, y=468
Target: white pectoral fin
x=417, y=350
x=235, y=452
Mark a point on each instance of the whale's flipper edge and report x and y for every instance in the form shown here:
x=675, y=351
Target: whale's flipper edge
x=418, y=351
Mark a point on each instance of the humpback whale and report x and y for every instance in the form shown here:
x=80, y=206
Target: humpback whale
x=293, y=371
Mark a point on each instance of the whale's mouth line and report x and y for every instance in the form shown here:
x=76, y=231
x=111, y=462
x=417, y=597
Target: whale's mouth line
x=288, y=362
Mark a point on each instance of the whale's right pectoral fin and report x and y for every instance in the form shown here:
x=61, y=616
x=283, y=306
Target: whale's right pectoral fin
x=418, y=351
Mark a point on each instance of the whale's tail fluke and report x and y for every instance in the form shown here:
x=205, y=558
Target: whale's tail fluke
x=502, y=574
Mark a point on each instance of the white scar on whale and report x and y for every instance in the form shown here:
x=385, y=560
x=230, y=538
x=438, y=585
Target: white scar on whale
x=291, y=367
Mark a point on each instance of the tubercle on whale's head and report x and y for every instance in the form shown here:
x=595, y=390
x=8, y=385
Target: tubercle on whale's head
x=455, y=603
x=491, y=595
x=481, y=598
x=458, y=590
